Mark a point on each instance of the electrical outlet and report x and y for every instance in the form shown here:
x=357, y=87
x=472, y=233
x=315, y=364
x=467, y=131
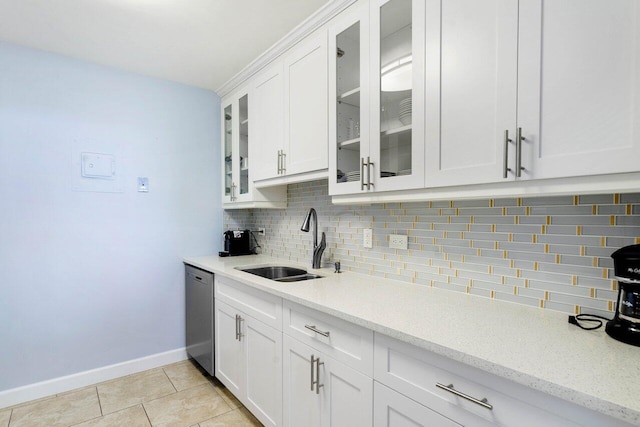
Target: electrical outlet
x=367, y=238
x=398, y=241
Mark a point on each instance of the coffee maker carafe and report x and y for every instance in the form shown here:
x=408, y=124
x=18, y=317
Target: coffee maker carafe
x=625, y=326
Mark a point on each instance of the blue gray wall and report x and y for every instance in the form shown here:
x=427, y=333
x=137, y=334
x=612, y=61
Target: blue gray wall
x=90, y=279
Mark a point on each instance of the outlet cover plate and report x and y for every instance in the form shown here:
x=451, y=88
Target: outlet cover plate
x=367, y=238
x=398, y=241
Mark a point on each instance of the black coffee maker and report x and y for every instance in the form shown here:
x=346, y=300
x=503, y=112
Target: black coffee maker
x=237, y=242
x=625, y=326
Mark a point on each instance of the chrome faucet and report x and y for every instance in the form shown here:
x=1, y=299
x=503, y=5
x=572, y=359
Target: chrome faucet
x=318, y=249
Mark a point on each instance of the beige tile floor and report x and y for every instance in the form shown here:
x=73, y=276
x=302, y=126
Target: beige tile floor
x=180, y=394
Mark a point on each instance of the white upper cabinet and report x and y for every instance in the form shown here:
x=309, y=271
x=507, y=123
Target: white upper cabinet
x=306, y=88
x=268, y=104
x=376, y=67
x=579, y=87
x=471, y=86
x=239, y=147
x=517, y=91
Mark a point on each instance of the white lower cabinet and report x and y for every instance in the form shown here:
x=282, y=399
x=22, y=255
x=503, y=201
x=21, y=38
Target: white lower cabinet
x=391, y=409
x=249, y=362
x=320, y=391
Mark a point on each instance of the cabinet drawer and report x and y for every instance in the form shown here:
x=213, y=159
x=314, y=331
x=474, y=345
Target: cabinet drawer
x=342, y=340
x=415, y=372
x=260, y=305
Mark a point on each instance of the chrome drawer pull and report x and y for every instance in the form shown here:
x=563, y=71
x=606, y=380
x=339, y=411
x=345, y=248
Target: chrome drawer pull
x=484, y=402
x=317, y=331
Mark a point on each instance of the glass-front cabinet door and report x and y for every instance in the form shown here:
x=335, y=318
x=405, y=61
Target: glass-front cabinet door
x=397, y=101
x=377, y=89
x=235, y=128
x=349, y=100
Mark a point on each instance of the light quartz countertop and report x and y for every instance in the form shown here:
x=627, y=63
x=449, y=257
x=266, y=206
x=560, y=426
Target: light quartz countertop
x=534, y=347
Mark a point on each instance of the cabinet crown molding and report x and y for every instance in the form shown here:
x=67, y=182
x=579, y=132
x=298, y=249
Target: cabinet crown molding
x=308, y=26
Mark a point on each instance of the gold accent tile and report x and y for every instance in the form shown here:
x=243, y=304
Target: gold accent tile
x=462, y=258
x=503, y=280
x=185, y=375
x=469, y=226
x=133, y=389
x=519, y=201
x=575, y=200
x=518, y=272
x=534, y=238
x=493, y=228
x=541, y=304
x=593, y=292
x=504, y=210
x=610, y=305
x=612, y=220
x=546, y=295
x=512, y=263
x=546, y=248
x=543, y=229
x=594, y=209
x=576, y=309
x=479, y=253
x=603, y=241
x=490, y=203
x=134, y=417
x=493, y=294
x=574, y=280
x=616, y=199
x=67, y=409
x=637, y=240
x=527, y=210
x=471, y=219
x=450, y=203
x=548, y=219
x=535, y=265
x=490, y=269
x=595, y=261
x=496, y=245
x=526, y=283
x=510, y=238
x=604, y=273
x=558, y=258
x=467, y=289
x=515, y=290
x=516, y=220
x=583, y=250
x=240, y=417
x=505, y=255
x=578, y=230
x=629, y=209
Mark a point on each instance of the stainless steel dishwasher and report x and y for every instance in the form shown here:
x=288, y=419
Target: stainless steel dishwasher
x=199, y=322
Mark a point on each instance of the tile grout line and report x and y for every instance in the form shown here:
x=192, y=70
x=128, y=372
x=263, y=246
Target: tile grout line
x=99, y=402
x=146, y=414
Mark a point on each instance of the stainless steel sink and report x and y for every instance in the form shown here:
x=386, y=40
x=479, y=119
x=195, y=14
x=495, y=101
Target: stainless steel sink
x=280, y=273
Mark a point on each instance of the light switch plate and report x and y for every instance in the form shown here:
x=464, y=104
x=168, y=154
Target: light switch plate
x=367, y=238
x=143, y=184
x=398, y=241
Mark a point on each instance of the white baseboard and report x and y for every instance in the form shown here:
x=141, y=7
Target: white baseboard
x=29, y=392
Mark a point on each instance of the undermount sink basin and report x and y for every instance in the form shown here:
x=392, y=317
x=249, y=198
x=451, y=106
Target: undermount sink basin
x=280, y=273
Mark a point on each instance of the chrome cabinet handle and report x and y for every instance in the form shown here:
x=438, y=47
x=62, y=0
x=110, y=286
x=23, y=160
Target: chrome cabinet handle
x=362, y=164
x=318, y=385
x=369, y=166
x=233, y=191
x=284, y=162
x=505, y=167
x=239, y=320
x=279, y=162
x=482, y=402
x=317, y=331
x=519, y=139
x=316, y=381
x=313, y=360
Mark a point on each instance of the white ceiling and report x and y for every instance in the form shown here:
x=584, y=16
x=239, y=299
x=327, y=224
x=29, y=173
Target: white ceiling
x=197, y=42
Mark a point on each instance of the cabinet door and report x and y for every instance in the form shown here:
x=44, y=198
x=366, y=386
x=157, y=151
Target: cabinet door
x=301, y=404
x=228, y=134
x=263, y=371
x=395, y=410
x=229, y=352
x=267, y=120
x=397, y=95
x=306, y=106
x=347, y=395
x=579, y=87
x=471, y=85
x=349, y=99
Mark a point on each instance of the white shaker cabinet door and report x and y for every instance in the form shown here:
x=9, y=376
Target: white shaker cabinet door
x=348, y=396
x=579, y=87
x=306, y=106
x=301, y=404
x=229, y=351
x=263, y=371
x=471, y=87
x=268, y=122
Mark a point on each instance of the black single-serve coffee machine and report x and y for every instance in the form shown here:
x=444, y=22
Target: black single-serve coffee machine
x=625, y=326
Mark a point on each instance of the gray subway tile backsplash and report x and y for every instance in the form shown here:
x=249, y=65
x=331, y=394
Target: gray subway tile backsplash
x=547, y=252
